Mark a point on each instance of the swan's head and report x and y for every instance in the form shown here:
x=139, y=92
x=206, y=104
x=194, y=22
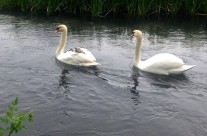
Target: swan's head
x=137, y=33
x=61, y=28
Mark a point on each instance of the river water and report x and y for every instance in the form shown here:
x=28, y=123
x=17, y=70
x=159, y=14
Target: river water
x=113, y=99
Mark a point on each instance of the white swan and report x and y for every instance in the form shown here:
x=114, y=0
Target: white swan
x=78, y=56
x=163, y=63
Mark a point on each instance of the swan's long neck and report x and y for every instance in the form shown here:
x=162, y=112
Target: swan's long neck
x=137, y=56
x=62, y=43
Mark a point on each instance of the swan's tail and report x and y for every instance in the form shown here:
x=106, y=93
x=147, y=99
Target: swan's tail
x=187, y=67
x=181, y=69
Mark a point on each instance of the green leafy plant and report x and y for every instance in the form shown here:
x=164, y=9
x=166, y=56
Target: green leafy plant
x=14, y=121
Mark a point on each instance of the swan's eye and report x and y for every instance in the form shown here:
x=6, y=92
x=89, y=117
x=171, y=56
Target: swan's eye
x=57, y=29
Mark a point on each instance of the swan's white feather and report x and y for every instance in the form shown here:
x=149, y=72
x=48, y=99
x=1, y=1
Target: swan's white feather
x=74, y=58
x=78, y=56
x=163, y=63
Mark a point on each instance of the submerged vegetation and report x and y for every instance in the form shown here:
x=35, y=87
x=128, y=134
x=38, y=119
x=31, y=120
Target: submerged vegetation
x=106, y=7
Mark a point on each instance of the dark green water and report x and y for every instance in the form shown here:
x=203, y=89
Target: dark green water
x=113, y=99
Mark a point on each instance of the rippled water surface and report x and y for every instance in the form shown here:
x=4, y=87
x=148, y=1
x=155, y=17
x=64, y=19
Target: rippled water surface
x=113, y=99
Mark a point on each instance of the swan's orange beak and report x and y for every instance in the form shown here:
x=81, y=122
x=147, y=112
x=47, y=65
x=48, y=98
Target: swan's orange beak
x=132, y=35
x=56, y=30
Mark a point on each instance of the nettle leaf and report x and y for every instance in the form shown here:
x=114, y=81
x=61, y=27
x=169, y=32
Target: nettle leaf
x=15, y=102
x=16, y=130
x=30, y=117
x=15, y=109
x=14, y=120
x=1, y=132
x=1, y=129
x=8, y=114
x=22, y=115
x=4, y=120
x=23, y=127
x=1, y=119
x=10, y=107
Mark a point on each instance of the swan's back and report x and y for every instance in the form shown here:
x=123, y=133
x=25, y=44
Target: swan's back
x=80, y=59
x=164, y=60
x=164, y=63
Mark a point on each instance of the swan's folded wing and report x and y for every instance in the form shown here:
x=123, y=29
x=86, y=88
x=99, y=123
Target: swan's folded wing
x=83, y=58
x=77, y=58
x=88, y=54
x=163, y=61
x=82, y=49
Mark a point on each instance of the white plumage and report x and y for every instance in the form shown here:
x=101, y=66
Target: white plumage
x=78, y=56
x=163, y=63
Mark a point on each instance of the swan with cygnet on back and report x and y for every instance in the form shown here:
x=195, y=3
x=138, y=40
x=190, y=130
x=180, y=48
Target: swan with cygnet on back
x=77, y=56
x=163, y=63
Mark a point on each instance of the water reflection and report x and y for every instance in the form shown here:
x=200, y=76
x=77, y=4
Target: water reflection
x=160, y=81
x=88, y=70
x=64, y=81
x=170, y=81
x=134, y=91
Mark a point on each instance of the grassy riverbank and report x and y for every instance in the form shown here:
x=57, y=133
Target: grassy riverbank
x=106, y=7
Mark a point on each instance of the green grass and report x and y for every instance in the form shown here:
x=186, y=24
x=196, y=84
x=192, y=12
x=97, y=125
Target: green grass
x=106, y=7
